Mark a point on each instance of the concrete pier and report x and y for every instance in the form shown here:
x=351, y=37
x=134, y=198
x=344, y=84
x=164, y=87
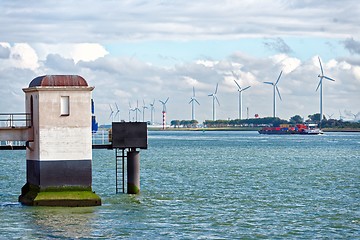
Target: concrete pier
x=133, y=172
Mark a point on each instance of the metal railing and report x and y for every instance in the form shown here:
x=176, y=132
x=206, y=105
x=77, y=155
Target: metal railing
x=12, y=120
x=100, y=137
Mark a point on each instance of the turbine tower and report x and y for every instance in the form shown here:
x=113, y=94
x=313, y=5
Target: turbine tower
x=240, y=90
x=214, y=97
x=117, y=112
x=130, y=110
x=321, y=76
x=164, y=112
x=137, y=110
x=152, y=110
x=192, y=101
x=274, y=94
x=111, y=113
x=144, y=107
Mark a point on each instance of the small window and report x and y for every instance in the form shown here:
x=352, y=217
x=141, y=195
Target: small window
x=65, y=106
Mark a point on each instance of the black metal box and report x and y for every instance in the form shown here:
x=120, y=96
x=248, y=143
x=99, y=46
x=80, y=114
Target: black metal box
x=129, y=135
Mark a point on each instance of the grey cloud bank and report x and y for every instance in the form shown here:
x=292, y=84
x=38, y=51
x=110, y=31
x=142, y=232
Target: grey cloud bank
x=111, y=21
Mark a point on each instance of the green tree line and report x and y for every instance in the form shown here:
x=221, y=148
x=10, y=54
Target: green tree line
x=269, y=121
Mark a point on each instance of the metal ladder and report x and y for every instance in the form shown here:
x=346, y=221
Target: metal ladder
x=120, y=169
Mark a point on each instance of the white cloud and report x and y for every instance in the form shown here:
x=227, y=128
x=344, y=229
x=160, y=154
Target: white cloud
x=356, y=72
x=288, y=64
x=88, y=52
x=22, y=55
x=207, y=63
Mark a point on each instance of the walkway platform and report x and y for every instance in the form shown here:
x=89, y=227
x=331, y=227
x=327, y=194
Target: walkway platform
x=95, y=146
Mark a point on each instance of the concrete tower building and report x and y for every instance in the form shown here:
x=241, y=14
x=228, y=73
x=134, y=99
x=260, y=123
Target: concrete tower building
x=58, y=158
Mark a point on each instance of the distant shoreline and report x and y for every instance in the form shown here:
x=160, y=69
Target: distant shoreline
x=245, y=129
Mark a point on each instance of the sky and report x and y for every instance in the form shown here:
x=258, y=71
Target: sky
x=136, y=51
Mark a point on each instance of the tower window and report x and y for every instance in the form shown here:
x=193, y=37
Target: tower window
x=65, y=106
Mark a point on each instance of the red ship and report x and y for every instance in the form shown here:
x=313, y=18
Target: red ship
x=310, y=129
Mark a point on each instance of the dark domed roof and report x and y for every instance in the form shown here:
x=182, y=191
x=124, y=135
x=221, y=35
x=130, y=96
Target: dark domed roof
x=58, y=81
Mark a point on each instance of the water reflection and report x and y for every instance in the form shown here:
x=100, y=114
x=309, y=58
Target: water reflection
x=59, y=222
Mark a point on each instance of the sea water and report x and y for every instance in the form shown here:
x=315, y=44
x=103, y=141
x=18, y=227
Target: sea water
x=206, y=185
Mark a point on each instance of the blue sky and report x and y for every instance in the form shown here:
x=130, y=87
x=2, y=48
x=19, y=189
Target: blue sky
x=134, y=51
x=170, y=52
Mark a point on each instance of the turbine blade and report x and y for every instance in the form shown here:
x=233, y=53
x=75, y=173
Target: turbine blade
x=278, y=92
x=237, y=84
x=167, y=100
x=329, y=78
x=322, y=71
x=320, y=82
x=111, y=108
x=217, y=85
x=191, y=101
x=194, y=91
x=116, y=106
x=245, y=88
x=269, y=83
x=211, y=95
x=235, y=76
x=217, y=100
x=278, y=78
x=197, y=101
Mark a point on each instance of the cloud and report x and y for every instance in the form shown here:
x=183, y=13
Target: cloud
x=288, y=64
x=59, y=64
x=352, y=46
x=124, y=79
x=277, y=45
x=22, y=55
x=113, y=21
x=88, y=52
x=4, y=51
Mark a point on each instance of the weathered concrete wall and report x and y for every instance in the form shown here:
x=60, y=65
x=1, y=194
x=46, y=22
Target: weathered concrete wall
x=59, y=137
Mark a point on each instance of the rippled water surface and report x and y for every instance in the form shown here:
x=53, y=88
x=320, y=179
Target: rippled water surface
x=207, y=185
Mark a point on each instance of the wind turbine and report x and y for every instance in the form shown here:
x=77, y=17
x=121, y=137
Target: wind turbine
x=164, y=111
x=321, y=76
x=214, y=97
x=130, y=109
x=111, y=113
x=341, y=117
x=152, y=110
x=330, y=116
x=117, y=112
x=137, y=110
x=274, y=94
x=240, y=90
x=192, y=101
x=144, y=107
